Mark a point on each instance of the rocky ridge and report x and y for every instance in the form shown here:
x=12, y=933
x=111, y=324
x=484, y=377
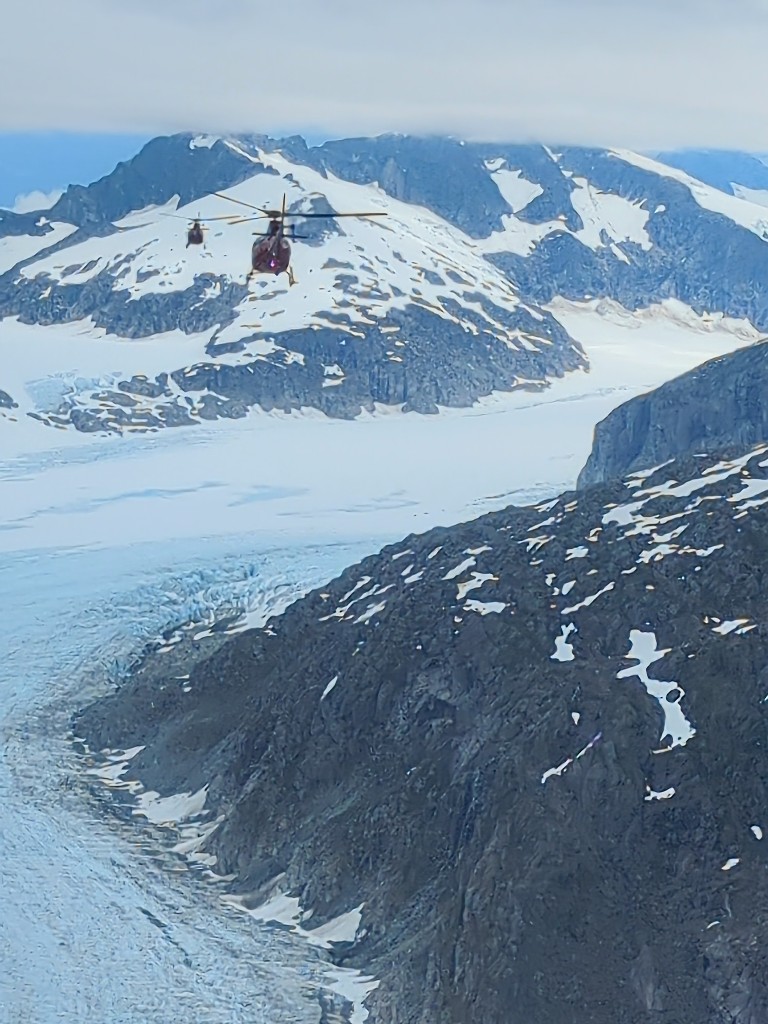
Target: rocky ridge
x=525, y=750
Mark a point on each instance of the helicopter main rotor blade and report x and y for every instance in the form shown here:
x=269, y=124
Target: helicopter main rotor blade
x=238, y=201
x=336, y=215
x=199, y=220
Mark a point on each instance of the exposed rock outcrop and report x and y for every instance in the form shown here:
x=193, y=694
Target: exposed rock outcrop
x=469, y=735
x=724, y=401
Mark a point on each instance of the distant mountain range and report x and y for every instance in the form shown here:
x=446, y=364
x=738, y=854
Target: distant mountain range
x=744, y=174
x=443, y=301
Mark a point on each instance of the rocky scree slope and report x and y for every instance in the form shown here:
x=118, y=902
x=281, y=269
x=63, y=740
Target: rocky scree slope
x=437, y=305
x=721, y=402
x=527, y=748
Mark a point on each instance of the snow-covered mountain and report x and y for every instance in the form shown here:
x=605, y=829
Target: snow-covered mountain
x=108, y=323
x=468, y=767
x=511, y=763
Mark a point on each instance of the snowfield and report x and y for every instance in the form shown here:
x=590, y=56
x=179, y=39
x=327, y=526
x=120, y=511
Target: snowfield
x=290, y=478
x=15, y=248
x=105, y=542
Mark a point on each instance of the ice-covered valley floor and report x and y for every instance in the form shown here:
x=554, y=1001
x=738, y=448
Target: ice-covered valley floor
x=89, y=931
x=290, y=477
x=105, y=542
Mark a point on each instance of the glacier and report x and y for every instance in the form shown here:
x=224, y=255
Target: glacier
x=89, y=931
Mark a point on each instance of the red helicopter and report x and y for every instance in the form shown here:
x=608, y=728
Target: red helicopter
x=272, y=255
x=195, y=231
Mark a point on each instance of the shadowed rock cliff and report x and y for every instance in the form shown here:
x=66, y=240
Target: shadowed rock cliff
x=721, y=402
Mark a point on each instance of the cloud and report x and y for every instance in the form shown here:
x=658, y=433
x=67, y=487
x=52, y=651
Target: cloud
x=639, y=73
x=36, y=201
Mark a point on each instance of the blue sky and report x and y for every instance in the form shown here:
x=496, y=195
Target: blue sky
x=48, y=161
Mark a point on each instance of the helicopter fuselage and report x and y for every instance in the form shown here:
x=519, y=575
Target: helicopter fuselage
x=271, y=255
x=195, y=235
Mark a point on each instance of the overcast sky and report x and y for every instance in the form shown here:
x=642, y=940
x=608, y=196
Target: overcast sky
x=640, y=73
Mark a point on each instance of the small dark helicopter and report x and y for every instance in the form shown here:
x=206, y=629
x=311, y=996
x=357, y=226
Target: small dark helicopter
x=195, y=230
x=272, y=255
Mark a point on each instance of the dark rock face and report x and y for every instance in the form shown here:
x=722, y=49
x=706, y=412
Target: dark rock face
x=6, y=402
x=538, y=165
x=165, y=167
x=468, y=733
x=445, y=175
x=113, y=308
x=437, y=367
x=721, y=402
x=21, y=224
x=369, y=374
